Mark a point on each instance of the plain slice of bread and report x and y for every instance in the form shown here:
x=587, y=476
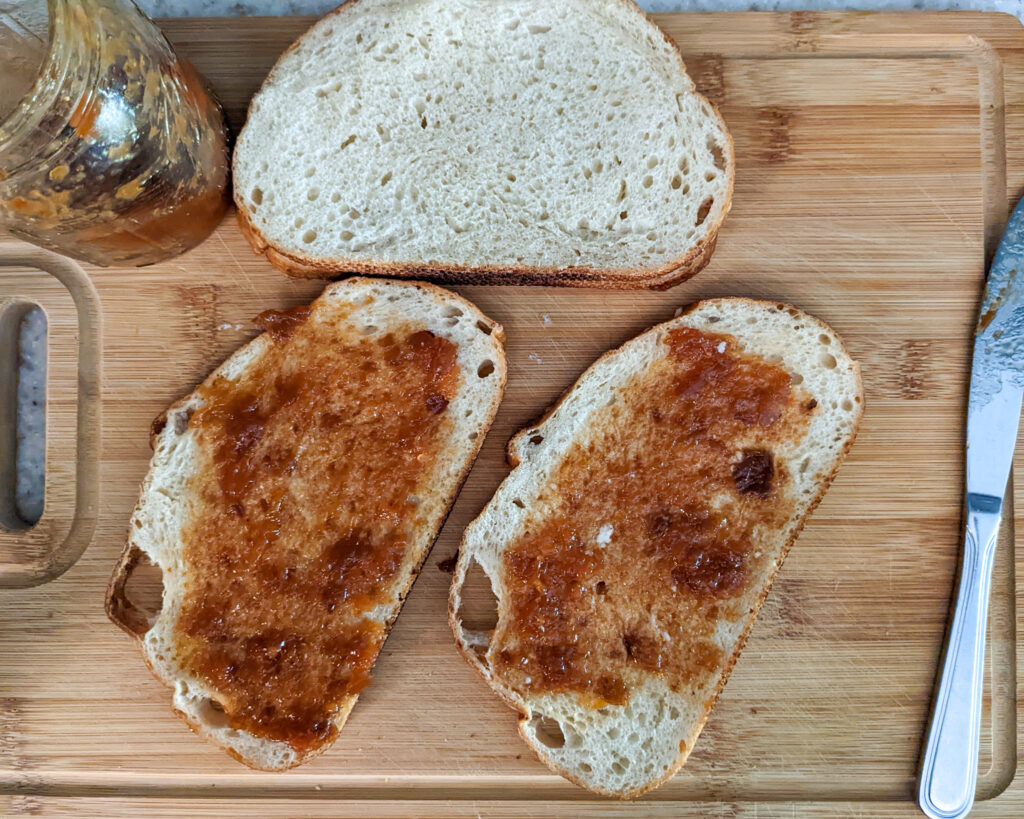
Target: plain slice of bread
x=636, y=616
x=348, y=314
x=485, y=141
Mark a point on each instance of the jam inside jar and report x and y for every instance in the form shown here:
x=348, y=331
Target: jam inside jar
x=116, y=154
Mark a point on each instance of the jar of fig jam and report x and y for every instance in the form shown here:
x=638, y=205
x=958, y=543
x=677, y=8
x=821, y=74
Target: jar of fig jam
x=111, y=151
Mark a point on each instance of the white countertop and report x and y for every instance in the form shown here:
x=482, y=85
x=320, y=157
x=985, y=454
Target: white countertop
x=31, y=392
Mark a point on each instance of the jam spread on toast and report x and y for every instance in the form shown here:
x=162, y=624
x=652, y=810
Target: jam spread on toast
x=313, y=459
x=647, y=538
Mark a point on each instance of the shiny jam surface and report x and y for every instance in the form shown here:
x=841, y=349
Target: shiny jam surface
x=314, y=460
x=648, y=533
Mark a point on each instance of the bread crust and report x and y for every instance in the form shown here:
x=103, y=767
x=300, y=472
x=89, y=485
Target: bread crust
x=664, y=276
x=123, y=614
x=512, y=454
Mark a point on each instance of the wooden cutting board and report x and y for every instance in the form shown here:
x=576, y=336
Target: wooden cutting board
x=877, y=156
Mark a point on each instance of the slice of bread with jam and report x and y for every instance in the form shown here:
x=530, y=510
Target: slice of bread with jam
x=634, y=541
x=291, y=500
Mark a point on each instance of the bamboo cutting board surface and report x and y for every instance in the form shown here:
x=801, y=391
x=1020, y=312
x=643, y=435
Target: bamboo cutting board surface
x=876, y=159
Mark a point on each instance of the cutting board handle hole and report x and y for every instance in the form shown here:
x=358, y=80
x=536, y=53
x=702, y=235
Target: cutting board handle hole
x=23, y=346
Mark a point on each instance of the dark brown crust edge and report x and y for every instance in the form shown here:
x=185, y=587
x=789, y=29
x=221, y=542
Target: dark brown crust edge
x=123, y=614
x=514, y=461
x=663, y=277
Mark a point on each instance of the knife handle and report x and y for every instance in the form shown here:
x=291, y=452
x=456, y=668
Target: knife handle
x=949, y=772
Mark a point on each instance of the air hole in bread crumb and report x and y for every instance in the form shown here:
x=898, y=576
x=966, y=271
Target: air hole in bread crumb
x=484, y=328
x=485, y=369
x=633, y=738
x=647, y=181
x=385, y=179
x=710, y=176
x=313, y=194
x=705, y=209
x=473, y=436
x=309, y=236
x=549, y=733
x=828, y=361
x=619, y=768
x=451, y=322
x=299, y=222
x=652, y=162
x=452, y=312
x=846, y=405
x=824, y=339
x=347, y=235
x=211, y=714
x=796, y=378
x=138, y=601
x=518, y=503
x=684, y=164
x=477, y=611
x=673, y=712
x=369, y=329
x=717, y=153
x=256, y=196
x=804, y=464
x=537, y=439
x=677, y=182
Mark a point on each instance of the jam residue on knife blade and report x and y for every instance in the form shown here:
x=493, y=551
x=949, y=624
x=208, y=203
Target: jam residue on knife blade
x=313, y=461
x=648, y=533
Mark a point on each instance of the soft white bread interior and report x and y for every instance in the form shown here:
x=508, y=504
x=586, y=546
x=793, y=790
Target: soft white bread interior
x=520, y=141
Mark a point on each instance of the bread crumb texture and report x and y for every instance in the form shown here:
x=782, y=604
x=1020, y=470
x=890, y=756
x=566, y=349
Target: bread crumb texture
x=461, y=133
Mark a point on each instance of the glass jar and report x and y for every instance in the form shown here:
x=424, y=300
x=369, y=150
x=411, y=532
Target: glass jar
x=116, y=153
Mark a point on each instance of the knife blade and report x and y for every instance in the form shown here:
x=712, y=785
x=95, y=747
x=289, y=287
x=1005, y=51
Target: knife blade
x=949, y=768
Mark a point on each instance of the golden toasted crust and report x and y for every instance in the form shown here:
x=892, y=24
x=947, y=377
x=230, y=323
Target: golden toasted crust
x=123, y=613
x=512, y=455
x=669, y=274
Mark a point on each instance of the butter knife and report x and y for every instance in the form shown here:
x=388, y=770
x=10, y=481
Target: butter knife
x=949, y=770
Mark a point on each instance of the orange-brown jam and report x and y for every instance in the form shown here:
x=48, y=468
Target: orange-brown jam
x=313, y=462
x=651, y=531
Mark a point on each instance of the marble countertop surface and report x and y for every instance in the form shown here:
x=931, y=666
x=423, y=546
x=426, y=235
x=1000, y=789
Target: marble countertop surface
x=32, y=353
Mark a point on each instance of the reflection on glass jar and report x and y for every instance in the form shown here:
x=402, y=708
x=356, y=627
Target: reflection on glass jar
x=116, y=153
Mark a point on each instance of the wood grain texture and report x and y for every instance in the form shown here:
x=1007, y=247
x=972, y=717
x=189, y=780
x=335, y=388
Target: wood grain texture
x=876, y=159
